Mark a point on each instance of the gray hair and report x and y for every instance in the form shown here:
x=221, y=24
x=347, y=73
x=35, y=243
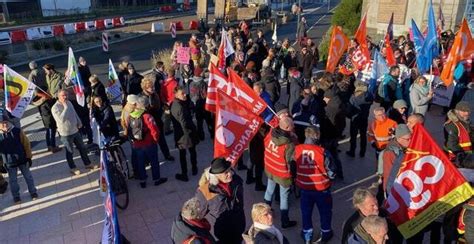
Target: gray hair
x=33, y=65
x=379, y=109
x=359, y=196
x=142, y=102
x=191, y=209
x=373, y=224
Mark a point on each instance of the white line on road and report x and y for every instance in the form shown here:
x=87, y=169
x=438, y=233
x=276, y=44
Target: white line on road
x=354, y=184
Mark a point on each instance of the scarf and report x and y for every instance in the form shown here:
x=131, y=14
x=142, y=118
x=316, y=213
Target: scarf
x=423, y=89
x=200, y=223
x=226, y=188
x=270, y=229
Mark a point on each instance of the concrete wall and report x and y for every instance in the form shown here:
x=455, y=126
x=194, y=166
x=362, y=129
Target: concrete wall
x=379, y=12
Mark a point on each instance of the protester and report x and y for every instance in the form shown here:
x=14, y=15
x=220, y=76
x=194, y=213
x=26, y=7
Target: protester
x=85, y=74
x=15, y=152
x=278, y=158
x=399, y=112
x=420, y=95
x=415, y=119
x=69, y=123
x=97, y=89
x=306, y=64
x=381, y=130
x=220, y=194
x=469, y=97
x=144, y=134
x=458, y=133
x=185, y=134
x=314, y=171
x=132, y=81
x=190, y=226
x=127, y=109
x=167, y=97
x=389, y=90
x=105, y=118
x=372, y=229
x=262, y=229
x=54, y=80
x=359, y=104
x=197, y=95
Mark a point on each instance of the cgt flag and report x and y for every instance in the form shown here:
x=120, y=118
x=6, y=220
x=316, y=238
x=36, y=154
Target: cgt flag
x=426, y=186
x=236, y=125
x=361, y=56
x=114, y=89
x=18, y=92
x=72, y=74
x=337, y=47
x=225, y=50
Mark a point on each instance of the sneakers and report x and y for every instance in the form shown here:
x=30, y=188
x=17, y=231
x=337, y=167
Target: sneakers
x=92, y=166
x=181, y=177
x=34, y=196
x=161, y=181
x=17, y=200
x=75, y=171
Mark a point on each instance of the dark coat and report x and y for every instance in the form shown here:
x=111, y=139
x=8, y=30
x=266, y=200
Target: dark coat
x=451, y=133
x=225, y=213
x=132, y=84
x=106, y=120
x=335, y=120
x=182, y=230
x=46, y=115
x=396, y=116
x=296, y=86
x=307, y=65
x=258, y=236
x=85, y=74
x=272, y=86
x=185, y=133
x=98, y=90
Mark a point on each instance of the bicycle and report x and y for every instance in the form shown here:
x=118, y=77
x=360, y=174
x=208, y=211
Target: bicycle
x=118, y=172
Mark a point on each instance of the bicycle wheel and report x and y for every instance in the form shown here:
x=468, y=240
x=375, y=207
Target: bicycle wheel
x=122, y=160
x=120, y=188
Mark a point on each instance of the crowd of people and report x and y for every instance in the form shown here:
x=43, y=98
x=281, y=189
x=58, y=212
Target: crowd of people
x=299, y=154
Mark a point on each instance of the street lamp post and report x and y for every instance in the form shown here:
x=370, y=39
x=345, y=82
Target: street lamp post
x=329, y=5
x=299, y=21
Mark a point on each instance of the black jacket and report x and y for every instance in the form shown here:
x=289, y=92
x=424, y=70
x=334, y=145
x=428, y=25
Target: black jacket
x=185, y=134
x=335, y=121
x=105, y=117
x=85, y=74
x=182, y=230
x=296, y=86
x=225, y=213
x=307, y=65
x=98, y=90
x=272, y=86
x=132, y=84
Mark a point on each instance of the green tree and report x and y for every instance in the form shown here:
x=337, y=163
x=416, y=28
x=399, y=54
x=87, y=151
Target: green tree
x=347, y=15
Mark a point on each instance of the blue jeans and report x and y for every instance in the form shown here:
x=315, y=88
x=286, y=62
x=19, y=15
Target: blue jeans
x=284, y=193
x=323, y=201
x=144, y=155
x=69, y=142
x=12, y=175
x=51, y=137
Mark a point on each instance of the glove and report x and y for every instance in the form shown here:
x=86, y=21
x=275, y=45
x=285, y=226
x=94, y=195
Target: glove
x=29, y=162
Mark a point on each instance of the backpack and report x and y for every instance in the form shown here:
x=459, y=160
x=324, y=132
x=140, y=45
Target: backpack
x=136, y=128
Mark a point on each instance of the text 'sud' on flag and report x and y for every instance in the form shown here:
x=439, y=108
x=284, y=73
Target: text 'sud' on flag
x=114, y=90
x=18, y=92
x=426, y=186
x=235, y=127
x=73, y=75
x=337, y=47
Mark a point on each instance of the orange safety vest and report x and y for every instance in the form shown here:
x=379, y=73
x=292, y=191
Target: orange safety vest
x=461, y=225
x=310, y=171
x=274, y=158
x=464, y=141
x=381, y=132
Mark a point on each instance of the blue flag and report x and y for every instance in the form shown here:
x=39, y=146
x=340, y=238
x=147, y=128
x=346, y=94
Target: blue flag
x=430, y=47
x=111, y=230
x=379, y=68
x=418, y=38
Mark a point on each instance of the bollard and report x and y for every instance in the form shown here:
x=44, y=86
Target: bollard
x=105, y=42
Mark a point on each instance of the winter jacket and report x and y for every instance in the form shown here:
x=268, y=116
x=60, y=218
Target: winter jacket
x=272, y=86
x=46, y=113
x=55, y=83
x=105, y=118
x=381, y=132
x=191, y=232
x=85, y=74
x=469, y=97
x=98, y=90
x=360, y=236
x=391, y=89
x=359, y=108
x=296, y=87
x=158, y=79
x=389, y=163
x=350, y=225
x=167, y=90
x=451, y=133
x=67, y=120
x=185, y=133
x=154, y=106
x=307, y=65
x=150, y=131
x=419, y=99
x=279, y=138
x=132, y=84
x=224, y=212
x=15, y=147
x=257, y=236
x=396, y=116
x=335, y=121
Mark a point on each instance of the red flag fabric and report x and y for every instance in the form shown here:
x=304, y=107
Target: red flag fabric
x=216, y=79
x=225, y=50
x=463, y=48
x=426, y=186
x=361, y=56
x=389, y=56
x=236, y=125
x=244, y=94
x=337, y=47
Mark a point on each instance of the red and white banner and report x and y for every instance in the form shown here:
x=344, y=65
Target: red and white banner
x=225, y=49
x=234, y=87
x=236, y=125
x=426, y=186
x=361, y=56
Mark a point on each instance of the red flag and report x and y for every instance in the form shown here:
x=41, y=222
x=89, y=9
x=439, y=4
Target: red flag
x=216, y=79
x=244, y=94
x=426, y=186
x=337, y=47
x=389, y=52
x=463, y=48
x=361, y=56
x=225, y=50
x=235, y=127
